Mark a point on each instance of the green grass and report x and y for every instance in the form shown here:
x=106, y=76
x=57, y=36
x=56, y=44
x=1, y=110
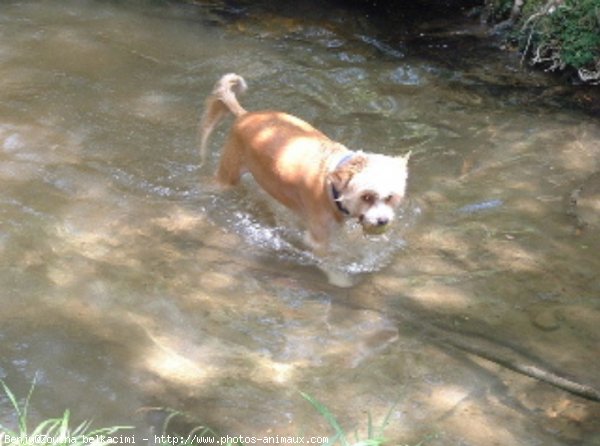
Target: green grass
x=60, y=432
x=194, y=433
x=54, y=431
x=375, y=433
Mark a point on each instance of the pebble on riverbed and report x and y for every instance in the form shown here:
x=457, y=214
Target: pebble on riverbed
x=585, y=203
x=546, y=320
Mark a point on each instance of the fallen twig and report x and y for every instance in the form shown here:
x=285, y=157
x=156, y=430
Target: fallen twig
x=507, y=357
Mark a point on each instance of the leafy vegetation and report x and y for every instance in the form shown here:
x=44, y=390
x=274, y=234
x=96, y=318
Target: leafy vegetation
x=573, y=31
x=556, y=34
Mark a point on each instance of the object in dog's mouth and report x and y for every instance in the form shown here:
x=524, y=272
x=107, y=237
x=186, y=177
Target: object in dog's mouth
x=320, y=179
x=376, y=230
x=379, y=228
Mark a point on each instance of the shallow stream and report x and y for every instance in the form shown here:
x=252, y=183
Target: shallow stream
x=130, y=284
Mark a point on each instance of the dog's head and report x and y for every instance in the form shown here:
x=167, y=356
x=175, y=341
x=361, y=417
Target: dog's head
x=370, y=187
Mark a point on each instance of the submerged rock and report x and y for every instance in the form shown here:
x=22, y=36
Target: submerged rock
x=585, y=202
x=546, y=320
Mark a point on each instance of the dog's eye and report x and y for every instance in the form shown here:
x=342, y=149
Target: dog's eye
x=368, y=198
x=388, y=199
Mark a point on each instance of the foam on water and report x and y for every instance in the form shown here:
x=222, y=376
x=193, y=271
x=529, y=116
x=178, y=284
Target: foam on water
x=351, y=252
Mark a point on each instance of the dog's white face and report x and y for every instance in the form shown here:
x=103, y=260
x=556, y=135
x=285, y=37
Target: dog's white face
x=372, y=188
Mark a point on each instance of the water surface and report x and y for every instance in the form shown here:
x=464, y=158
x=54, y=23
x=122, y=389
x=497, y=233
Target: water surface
x=129, y=282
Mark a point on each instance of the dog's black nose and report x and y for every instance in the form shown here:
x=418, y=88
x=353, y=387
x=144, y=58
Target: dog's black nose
x=382, y=221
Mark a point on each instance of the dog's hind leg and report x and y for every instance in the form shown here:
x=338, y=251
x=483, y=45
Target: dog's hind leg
x=231, y=165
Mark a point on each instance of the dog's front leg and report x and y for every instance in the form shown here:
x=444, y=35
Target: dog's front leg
x=317, y=241
x=317, y=238
x=231, y=165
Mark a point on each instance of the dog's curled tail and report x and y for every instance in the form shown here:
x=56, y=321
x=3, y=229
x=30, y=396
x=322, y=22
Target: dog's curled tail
x=223, y=99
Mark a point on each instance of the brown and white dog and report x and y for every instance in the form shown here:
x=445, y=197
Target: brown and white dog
x=319, y=179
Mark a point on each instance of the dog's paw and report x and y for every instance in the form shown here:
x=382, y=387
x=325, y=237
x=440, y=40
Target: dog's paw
x=337, y=277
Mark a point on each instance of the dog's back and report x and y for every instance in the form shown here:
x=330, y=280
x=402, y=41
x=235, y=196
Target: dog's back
x=223, y=99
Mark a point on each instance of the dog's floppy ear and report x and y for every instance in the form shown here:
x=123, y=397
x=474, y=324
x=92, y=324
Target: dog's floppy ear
x=342, y=175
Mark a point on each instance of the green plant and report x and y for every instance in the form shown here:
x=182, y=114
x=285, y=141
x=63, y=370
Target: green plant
x=555, y=34
x=576, y=25
x=193, y=435
x=54, y=431
x=499, y=9
x=375, y=435
x=563, y=34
